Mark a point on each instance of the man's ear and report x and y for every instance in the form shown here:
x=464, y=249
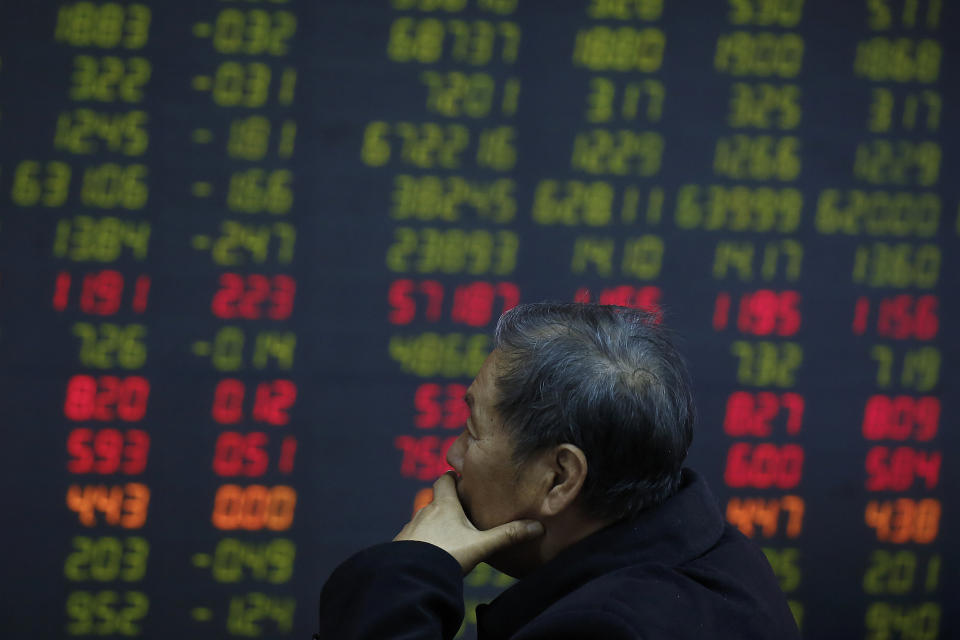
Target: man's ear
x=569, y=471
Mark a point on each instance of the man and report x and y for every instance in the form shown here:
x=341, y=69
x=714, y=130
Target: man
x=568, y=476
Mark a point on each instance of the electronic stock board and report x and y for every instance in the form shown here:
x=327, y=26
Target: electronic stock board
x=252, y=251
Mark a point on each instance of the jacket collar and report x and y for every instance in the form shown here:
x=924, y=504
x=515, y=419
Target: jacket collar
x=682, y=528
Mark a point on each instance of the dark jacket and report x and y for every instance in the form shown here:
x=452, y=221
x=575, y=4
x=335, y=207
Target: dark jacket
x=676, y=571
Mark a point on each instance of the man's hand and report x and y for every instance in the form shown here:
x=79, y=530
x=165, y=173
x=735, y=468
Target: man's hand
x=444, y=524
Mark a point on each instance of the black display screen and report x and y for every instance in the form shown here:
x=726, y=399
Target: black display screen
x=252, y=252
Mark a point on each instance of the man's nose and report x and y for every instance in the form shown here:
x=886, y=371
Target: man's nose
x=455, y=452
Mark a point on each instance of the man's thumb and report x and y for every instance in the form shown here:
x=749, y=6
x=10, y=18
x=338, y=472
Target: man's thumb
x=511, y=533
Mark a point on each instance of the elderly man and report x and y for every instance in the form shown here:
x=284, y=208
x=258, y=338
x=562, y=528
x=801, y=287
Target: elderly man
x=568, y=476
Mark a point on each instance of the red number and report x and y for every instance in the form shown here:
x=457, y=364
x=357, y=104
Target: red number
x=288, y=448
x=281, y=297
x=403, y=303
x=228, y=401
x=900, y=317
x=106, y=398
x=751, y=414
x=423, y=458
x=238, y=454
x=245, y=296
x=901, y=418
x=860, y=313
x=61, y=291
x=141, y=292
x=896, y=469
x=764, y=465
x=257, y=292
x=473, y=303
x=273, y=401
x=440, y=406
x=765, y=312
x=224, y=303
x=101, y=293
x=107, y=451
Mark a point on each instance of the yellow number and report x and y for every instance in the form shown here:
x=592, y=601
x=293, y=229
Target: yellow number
x=236, y=84
x=642, y=257
x=248, y=611
x=239, y=240
x=786, y=566
x=106, y=612
x=109, y=345
x=106, y=26
x=623, y=152
x=431, y=250
x=919, y=621
x=456, y=94
x=742, y=53
x=897, y=265
x=757, y=158
x=100, y=239
x=108, y=78
x=764, y=106
x=35, y=183
x=271, y=562
x=433, y=198
x=738, y=208
x=573, y=202
x=898, y=162
x=110, y=185
x=604, y=104
x=430, y=354
x=621, y=49
x=258, y=191
x=106, y=559
x=890, y=572
x=82, y=131
x=253, y=32
x=874, y=213
x=766, y=363
x=898, y=59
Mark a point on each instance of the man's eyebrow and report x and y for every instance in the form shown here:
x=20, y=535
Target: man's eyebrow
x=468, y=398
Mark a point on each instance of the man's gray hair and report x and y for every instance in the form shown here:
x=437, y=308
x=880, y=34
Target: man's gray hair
x=606, y=379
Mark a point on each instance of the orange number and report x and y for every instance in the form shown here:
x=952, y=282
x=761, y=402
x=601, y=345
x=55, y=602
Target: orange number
x=750, y=514
x=904, y=520
x=124, y=505
x=254, y=507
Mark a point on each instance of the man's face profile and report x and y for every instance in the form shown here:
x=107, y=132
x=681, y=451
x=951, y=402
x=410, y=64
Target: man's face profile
x=488, y=486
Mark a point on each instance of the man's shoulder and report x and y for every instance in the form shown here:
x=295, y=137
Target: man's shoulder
x=729, y=588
